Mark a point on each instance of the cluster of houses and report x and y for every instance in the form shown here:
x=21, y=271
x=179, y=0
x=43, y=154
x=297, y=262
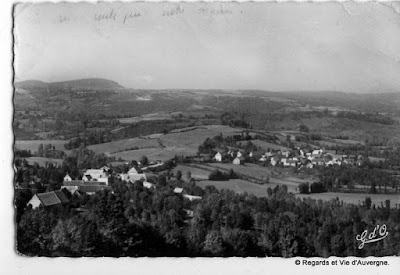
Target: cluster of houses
x=93, y=180
x=292, y=158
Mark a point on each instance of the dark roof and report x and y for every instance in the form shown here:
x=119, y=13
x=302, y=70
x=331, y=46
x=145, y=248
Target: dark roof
x=73, y=183
x=61, y=196
x=93, y=188
x=48, y=199
x=52, y=198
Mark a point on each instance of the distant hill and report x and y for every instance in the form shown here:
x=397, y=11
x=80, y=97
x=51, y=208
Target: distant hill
x=27, y=84
x=84, y=84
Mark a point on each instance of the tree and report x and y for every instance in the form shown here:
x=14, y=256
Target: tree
x=214, y=244
x=304, y=188
x=178, y=174
x=144, y=161
x=368, y=202
x=304, y=128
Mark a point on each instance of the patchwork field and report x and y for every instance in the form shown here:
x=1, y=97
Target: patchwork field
x=33, y=145
x=123, y=145
x=239, y=186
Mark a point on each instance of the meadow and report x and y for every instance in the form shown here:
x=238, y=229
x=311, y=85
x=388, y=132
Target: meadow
x=123, y=145
x=33, y=145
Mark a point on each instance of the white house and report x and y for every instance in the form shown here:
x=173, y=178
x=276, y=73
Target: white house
x=67, y=177
x=96, y=175
x=239, y=154
x=238, y=161
x=218, y=157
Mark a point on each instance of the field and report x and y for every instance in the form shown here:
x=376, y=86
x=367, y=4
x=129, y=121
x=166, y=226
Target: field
x=377, y=199
x=277, y=176
x=189, y=139
x=349, y=141
x=123, y=145
x=148, y=117
x=33, y=145
x=152, y=154
x=43, y=161
x=239, y=186
x=266, y=145
x=197, y=174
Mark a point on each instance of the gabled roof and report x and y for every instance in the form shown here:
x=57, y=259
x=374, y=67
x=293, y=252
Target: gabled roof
x=134, y=170
x=61, y=196
x=52, y=198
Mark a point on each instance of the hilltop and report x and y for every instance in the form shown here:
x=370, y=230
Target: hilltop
x=79, y=84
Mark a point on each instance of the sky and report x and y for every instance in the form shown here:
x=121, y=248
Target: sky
x=349, y=47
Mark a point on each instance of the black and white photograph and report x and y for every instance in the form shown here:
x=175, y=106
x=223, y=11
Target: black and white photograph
x=207, y=130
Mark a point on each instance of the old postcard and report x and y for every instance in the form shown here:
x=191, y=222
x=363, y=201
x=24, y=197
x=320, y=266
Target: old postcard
x=217, y=129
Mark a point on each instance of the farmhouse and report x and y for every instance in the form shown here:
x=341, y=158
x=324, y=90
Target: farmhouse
x=238, y=161
x=48, y=199
x=95, y=174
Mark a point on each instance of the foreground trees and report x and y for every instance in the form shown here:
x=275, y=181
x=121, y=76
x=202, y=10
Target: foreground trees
x=135, y=221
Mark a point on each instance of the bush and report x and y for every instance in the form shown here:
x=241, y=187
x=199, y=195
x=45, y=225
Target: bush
x=304, y=188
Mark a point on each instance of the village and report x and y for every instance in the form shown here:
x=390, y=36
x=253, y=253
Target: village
x=301, y=158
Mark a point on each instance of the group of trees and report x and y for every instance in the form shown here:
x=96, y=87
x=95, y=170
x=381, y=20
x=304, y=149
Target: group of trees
x=221, y=176
x=368, y=117
x=135, y=221
x=336, y=177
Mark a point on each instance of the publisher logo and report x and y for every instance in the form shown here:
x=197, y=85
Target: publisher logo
x=379, y=233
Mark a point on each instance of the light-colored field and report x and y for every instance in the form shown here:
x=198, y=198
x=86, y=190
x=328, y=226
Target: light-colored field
x=239, y=186
x=250, y=169
x=148, y=117
x=197, y=174
x=262, y=173
x=349, y=141
x=123, y=145
x=189, y=139
x=376, y=199
x=152, y=154
x=266, y=145
x=44, y=161
x=33, y=145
